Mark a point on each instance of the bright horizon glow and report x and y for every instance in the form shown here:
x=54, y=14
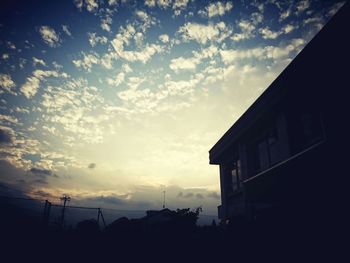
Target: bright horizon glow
x=113, y=102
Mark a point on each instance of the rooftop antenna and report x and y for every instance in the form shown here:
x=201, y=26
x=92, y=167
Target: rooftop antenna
x=163, y=199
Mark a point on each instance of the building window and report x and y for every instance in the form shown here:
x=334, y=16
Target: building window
x=233, y=178
x=236, y=175
x=266, y=152
x=305, y=129
x=311, y=125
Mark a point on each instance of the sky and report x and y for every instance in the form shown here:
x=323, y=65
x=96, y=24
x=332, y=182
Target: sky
x=113, y=102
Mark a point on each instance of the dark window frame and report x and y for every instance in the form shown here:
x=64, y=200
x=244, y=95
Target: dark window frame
x=268, y=138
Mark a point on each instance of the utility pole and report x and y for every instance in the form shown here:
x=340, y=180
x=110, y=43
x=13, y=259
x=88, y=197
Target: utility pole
x=64, y=199
x=47, y=209
x=163, y=199
x=99, y=214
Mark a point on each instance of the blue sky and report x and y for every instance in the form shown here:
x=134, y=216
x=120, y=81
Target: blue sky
x=112, y=102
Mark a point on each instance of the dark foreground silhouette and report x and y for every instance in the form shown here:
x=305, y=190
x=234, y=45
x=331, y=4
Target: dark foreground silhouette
x=169, y=235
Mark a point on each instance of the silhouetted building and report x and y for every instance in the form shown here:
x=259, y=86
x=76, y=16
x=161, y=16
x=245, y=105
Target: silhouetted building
x=158, y=216
x=282, y=156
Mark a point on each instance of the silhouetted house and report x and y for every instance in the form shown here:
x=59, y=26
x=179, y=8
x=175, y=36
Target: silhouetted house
x=282, y=156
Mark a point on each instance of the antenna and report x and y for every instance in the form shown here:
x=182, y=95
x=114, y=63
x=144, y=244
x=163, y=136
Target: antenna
x=163, y=199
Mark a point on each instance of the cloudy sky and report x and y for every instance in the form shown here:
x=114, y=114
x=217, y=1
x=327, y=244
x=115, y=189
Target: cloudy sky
x=114, y=101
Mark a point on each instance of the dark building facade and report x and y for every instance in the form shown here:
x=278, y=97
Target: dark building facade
x=283, y=155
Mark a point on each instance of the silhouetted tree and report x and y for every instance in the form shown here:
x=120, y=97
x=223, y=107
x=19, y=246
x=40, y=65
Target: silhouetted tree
x=185, y=219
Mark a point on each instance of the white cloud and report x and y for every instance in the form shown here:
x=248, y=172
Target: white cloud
x=269, y=34
x=335, y=8
x=106, y=22
x=256, y=18
x=247, y=28
x=179, y=6
x=160, y=3
x=259, y=6
x=124, y=37
x=315, y=20
x=112, y=2
x=138, y=38
x=8, y=119
x=50, y=129
x=135, y=82
x=285, y=14
x=216, y=9
x=141, y=100
x=22, y=62
x=146, y=20
x=65, y=29
x=119, y=79
x=8, y=136
x=49, y=36
x=150, y=3
x=200, y=33
x=91, y=5
x=126, y=68
x=133, y=94
x=37, y=61
x=208, y=52
x=164, y=38
x=7, y=84
x=191, y=63
x=70, y=107
x=88, y=61
x=31, y=86
x=164, y=3
x=106, y=60
x=266, y=33
x=269, y=52
x=181, y=87
x=22, y=110
x=56, y=65
x=11, y=45
x=213, y=74
x=288, y=28
x=302, y=6
x=182, y=63
x=231, y=55
x=79, y=4
x=93, y=39
x=143, y=55
x=5, y=56
x=204, y=33
x=177, y=12
x=142, y=15
x=105, y=26
x=104, y=13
